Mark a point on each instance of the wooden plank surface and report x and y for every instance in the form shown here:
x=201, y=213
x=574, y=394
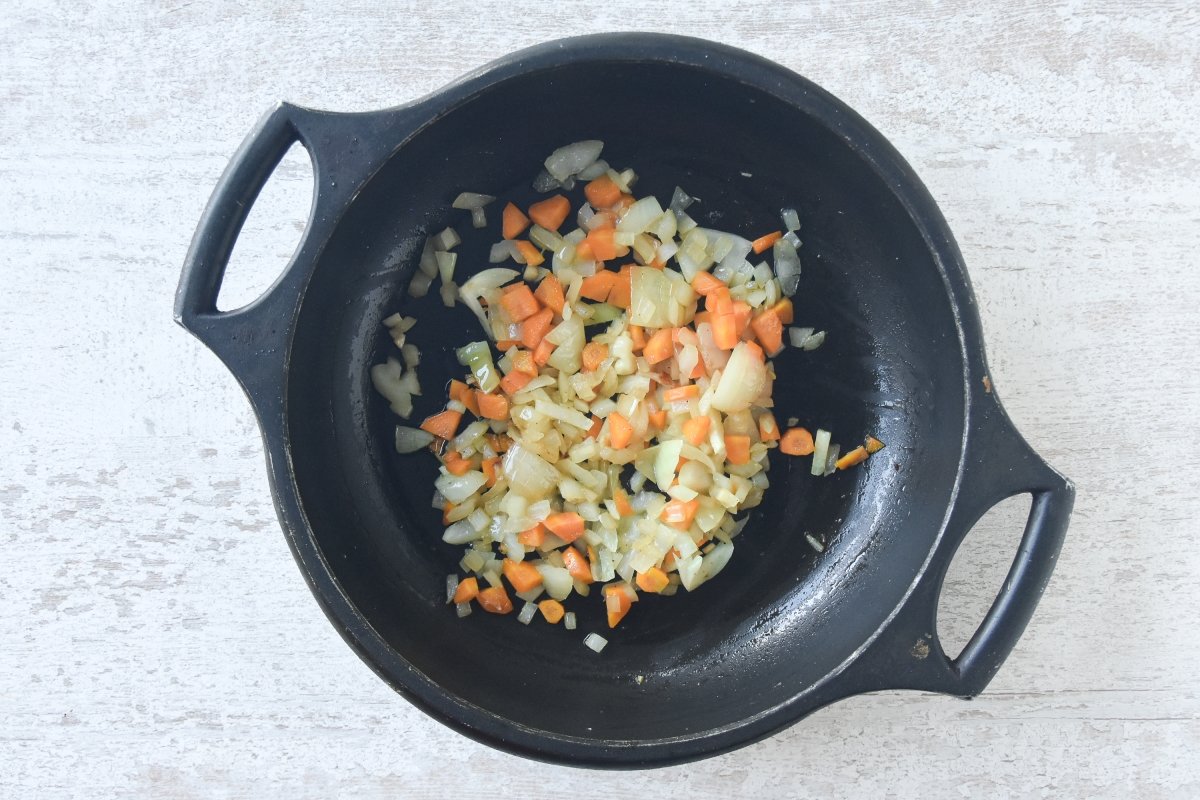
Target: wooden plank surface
x=156, y=639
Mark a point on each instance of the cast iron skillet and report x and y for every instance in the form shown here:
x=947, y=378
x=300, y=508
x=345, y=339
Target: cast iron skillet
x=784, y=630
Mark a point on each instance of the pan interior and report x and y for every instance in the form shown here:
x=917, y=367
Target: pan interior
x=781, y=616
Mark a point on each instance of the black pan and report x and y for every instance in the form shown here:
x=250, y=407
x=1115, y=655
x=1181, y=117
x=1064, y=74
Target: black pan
x=784, y=630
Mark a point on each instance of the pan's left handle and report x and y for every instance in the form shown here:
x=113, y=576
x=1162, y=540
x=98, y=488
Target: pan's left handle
x=233, y=334
x=345, y=150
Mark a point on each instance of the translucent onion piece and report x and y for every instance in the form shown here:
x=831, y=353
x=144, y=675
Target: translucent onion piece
x=410, y=440
x=573, y=158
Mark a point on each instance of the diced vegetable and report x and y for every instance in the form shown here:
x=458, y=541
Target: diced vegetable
x=621, y=424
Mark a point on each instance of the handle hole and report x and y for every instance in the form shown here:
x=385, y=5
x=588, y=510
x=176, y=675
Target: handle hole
x=978, y=570
x=272, y=232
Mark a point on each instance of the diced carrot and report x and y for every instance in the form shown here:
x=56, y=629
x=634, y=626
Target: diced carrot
x=783, y=309
x=737, y=448
x=741, y=316
x=522, y=361
x=514, y=381
x=521, y=574
x=464, y=394
x=797, y=442
x=533, y=256
x=680, y=393
x=600, y=240
x=594, y=354
x=621, y=293
x=492, y=406
x=724, y=331
x=620, y=431
x=495, y=600
x=489, y=470
x=444, y=424
x=566, y=525
x=533, y=537
x=550, y=213
x=504, y=345
x=468, y=589
x=456, y=464
x=768, y=428
x=638, y=334
x=596, y=287
x=763, y=243
x=617, y=603
x=602, y=192
x=873, y=445
x=514, y=222
x=534, y=330
x=577, y=564
x=652, y=580
x=623, y=202
x=705, y=283
x=552, y=610
x=583, y=251
x=658, y=418
x=519, y=303
x=679, y=513
x=768, y=329
x=695, y=430
x=719, y=301
x=541, y=353
x=755, y=351
x=597, y=424
x=659, y=348
x=550, y=292
x=622, y=502
x=855, y=456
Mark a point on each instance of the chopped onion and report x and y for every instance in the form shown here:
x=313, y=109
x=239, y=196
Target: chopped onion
x=460, y=532
x=569, y=620
x=528, y=474
x=791, y=220
x=680, y=200
x=640, y=216
x=598, y=168
x=457, y=488
x=526, y=614
x=503, y=251
x=419, y=285
x=595, y=641
x=545, y=182
x=447, y=240
x=650, y=297
x=410, y=440
x=556, y=580
x=478, y=218
x=469, y=200
x=451, y=587
x=462, y=609
x=787, y=267
x=449, y=293
x=820, y=451
x=814, y=341
x=742, y=381
x=573, y=158
x=798, y=336
x=428, y=262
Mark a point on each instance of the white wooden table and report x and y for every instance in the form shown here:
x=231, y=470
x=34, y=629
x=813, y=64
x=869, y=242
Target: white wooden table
x=156, y=639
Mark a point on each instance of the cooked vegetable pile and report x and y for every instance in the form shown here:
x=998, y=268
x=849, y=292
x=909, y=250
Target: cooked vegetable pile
x=622, y=458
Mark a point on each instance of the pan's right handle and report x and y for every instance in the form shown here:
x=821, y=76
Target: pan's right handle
x=999, y=464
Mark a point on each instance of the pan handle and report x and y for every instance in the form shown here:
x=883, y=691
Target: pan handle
x=999, y=464
x=345, y=149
